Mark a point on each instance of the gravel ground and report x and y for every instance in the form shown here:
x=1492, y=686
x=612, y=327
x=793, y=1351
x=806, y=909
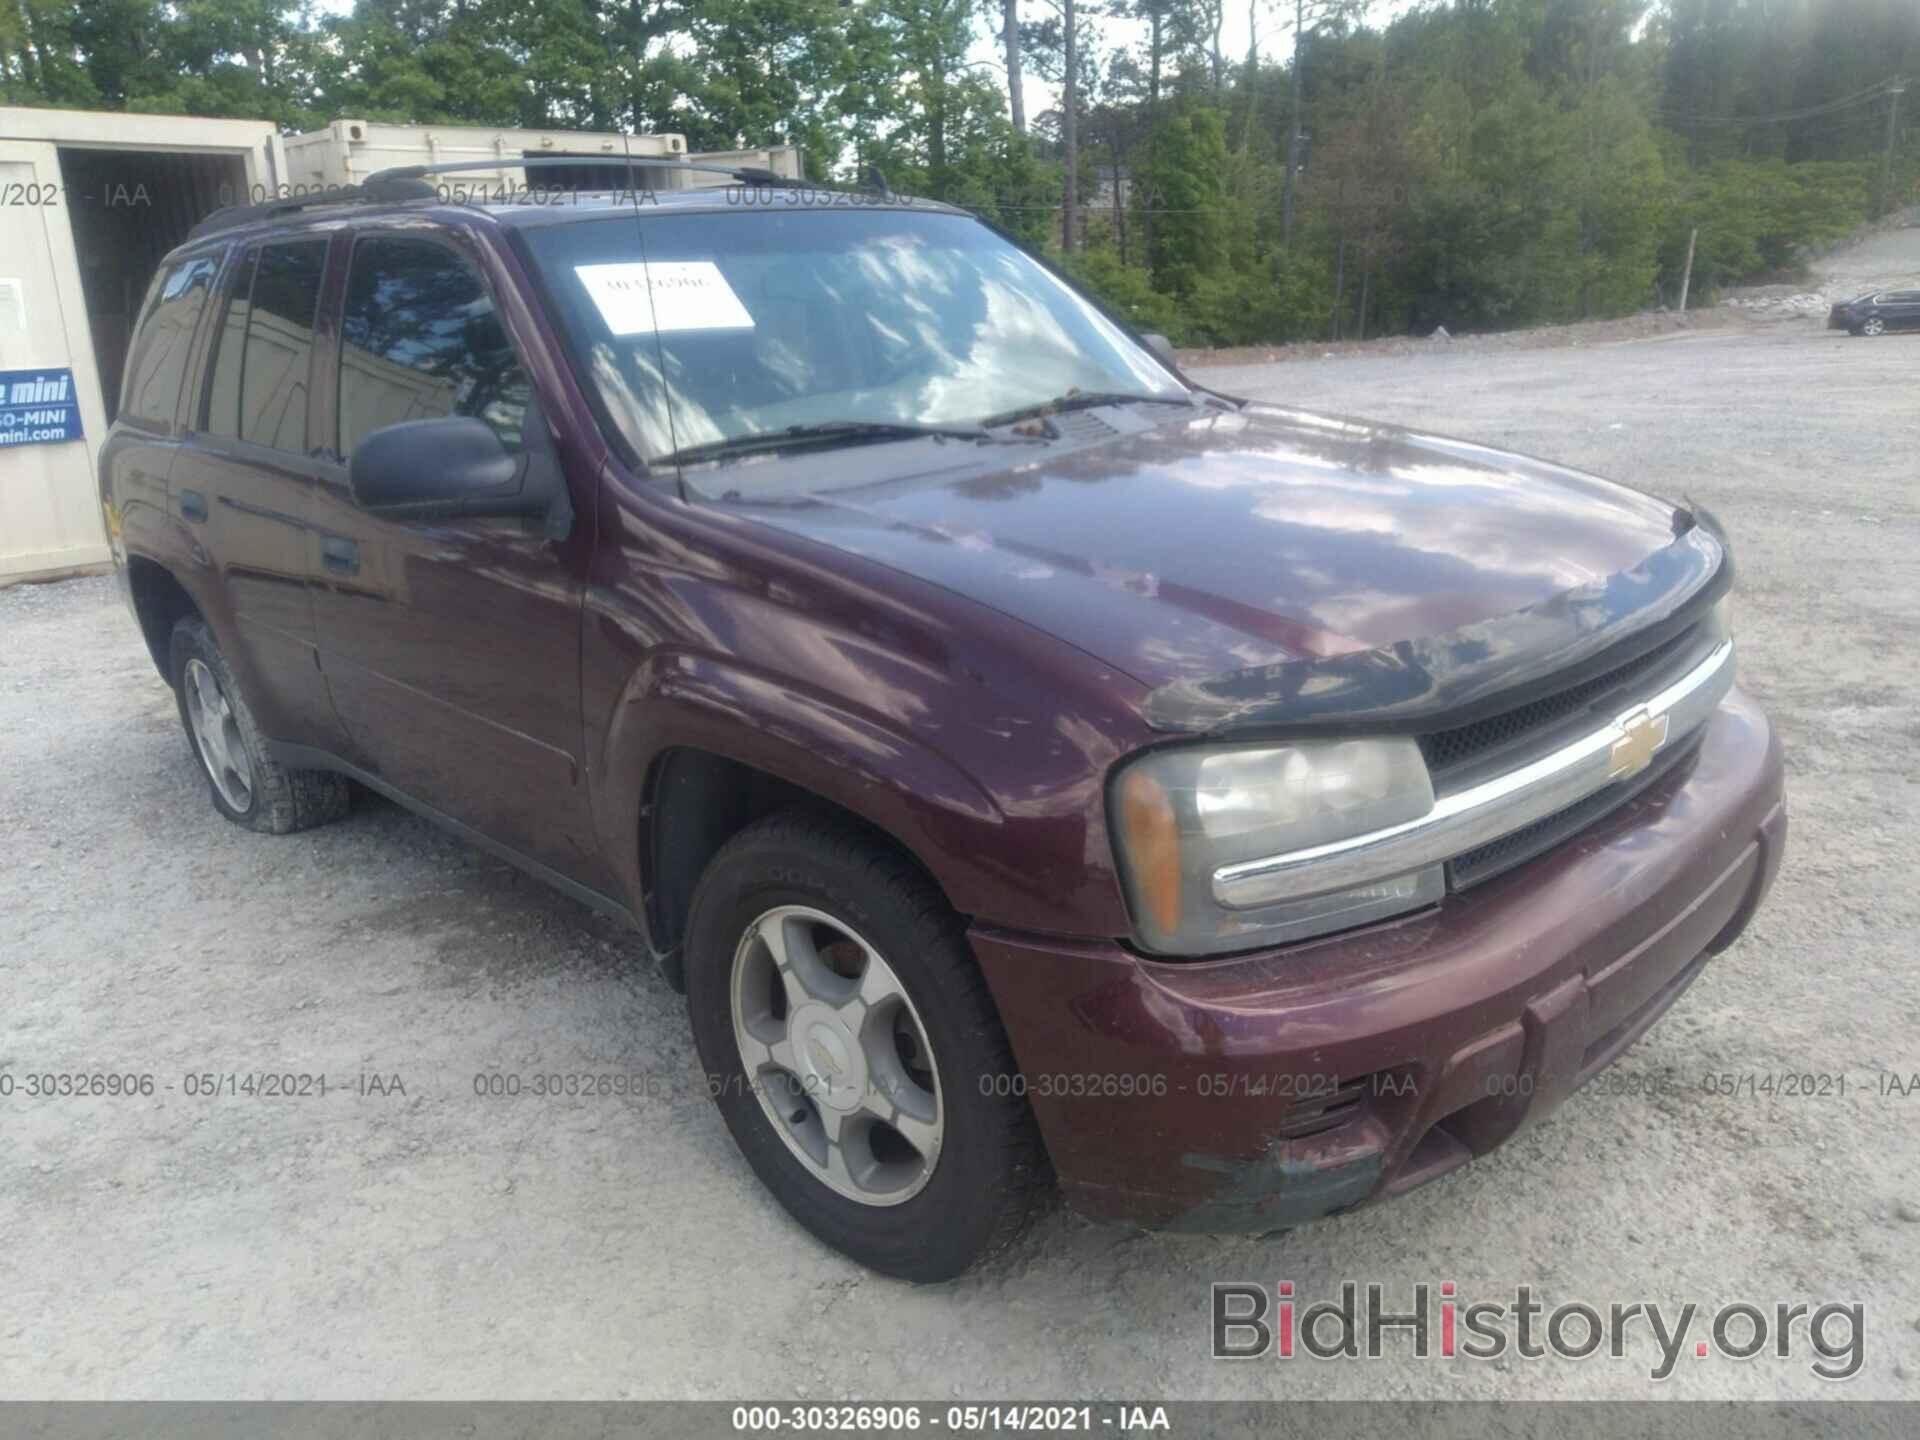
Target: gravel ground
x=435, y=1244
x=1887, y=258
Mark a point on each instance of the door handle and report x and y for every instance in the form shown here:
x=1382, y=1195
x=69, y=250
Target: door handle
x=340, y=556
x=193, y=506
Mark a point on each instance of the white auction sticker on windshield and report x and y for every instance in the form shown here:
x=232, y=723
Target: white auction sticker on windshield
x=635, y=296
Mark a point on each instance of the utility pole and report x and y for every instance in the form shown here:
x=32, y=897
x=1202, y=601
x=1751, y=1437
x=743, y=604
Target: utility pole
x=1253, y=70
x=1010, y=38
x=1293, y=127
x=1156, y=21
x=1895, y=91
x=1069, y=135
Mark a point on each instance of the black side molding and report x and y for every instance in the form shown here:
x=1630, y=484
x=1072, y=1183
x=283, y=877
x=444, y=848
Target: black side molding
x=306, y=757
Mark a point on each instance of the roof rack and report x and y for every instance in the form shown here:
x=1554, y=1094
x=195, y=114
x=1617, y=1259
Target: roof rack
x=372, y=192
x=408, y=182
x=740, y=174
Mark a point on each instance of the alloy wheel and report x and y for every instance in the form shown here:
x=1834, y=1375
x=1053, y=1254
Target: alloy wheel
x=837, y=1055
x=216, y=735
x=1874, y=326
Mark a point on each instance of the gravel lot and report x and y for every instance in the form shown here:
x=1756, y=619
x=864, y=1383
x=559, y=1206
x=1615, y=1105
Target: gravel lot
x=435, y=1244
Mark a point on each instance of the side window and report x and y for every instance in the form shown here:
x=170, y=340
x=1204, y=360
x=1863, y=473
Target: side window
x=257, y=390
x=421, y=340
x=220, y=409
x=164, y=341
x=273, y=383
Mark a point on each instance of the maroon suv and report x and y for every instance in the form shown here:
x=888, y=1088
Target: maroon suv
x=1038, y=769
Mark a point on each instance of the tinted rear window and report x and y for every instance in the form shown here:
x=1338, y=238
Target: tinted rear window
x=164, y=342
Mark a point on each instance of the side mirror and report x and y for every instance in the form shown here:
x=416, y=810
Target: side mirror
x=1162, y=349
x=429, y=469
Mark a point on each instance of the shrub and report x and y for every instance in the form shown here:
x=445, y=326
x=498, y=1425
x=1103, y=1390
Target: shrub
x=1128, y=291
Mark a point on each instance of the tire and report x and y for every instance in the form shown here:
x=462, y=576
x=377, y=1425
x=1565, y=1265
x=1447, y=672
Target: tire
x=819, y=877
x=1875, y=326
x=247, y=786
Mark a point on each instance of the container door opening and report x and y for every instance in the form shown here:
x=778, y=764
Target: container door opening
x=128, y=208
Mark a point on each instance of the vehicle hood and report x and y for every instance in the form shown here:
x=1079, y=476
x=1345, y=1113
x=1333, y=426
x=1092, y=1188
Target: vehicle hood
x=1181, y=551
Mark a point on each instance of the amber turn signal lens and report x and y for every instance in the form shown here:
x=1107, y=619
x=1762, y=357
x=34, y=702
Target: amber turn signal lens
x=1153, y=847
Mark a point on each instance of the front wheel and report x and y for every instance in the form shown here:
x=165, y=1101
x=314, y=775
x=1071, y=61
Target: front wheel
x=1875, y=326
x=854, y=1051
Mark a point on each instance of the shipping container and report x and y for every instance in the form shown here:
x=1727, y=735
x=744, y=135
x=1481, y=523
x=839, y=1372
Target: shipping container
x=89, y=203
x=348, y=151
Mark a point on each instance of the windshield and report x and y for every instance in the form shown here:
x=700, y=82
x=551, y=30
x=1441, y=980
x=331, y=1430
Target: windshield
x=700, y=329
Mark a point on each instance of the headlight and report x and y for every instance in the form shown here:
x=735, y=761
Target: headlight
x=1181, y=814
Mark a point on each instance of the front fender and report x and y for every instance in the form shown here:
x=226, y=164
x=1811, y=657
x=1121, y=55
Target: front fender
x=987, y=862
x=976, y=741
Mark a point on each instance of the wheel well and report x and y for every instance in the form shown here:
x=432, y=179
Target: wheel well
x=161, y=602
x=696, y=802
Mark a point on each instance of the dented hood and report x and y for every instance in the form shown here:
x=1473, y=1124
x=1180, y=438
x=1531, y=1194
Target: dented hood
x=1240, y=564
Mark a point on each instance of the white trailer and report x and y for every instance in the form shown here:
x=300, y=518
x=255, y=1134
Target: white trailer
x=89, y=203
x=348, y=151
x=785, y=160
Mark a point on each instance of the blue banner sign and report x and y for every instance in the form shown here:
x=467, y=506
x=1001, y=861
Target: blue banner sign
x=38, y=407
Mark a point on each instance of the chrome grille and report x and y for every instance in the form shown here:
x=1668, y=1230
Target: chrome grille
x=1499, y=856
x=1608, y=753
x=1452, y=750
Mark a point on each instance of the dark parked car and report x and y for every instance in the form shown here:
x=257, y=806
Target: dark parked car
x=1877, y=313
x=1039, y=770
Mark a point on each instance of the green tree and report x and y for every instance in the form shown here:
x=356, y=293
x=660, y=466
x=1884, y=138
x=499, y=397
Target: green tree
x=1620, y=197
x=1182, y=180
x=433, y=61
x=1478, y=163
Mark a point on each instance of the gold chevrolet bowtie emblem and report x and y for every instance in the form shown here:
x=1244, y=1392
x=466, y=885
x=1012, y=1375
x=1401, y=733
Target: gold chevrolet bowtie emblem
x=1633, y=751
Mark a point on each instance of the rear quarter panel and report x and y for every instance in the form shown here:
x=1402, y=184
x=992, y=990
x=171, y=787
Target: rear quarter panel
x=134, y=472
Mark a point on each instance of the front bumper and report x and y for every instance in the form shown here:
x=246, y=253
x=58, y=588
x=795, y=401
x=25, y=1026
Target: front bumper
x=1260, y=1091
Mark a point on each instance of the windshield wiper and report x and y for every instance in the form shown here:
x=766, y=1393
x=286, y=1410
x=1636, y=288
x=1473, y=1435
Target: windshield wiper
x=1084, y=400
x=826, y=431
